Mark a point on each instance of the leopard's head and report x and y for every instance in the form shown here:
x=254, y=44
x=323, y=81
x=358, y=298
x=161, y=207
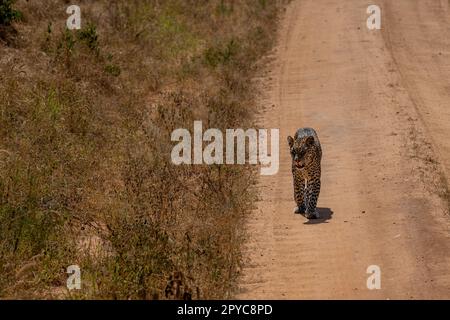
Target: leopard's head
x=303, y=151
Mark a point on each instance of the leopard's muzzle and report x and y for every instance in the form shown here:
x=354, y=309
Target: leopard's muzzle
x=299, y=164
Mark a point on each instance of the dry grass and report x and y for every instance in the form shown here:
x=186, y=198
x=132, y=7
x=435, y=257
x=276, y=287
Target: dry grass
x=85, y=123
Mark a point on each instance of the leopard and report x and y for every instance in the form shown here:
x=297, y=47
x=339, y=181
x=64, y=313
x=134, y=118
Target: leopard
x=306, y=153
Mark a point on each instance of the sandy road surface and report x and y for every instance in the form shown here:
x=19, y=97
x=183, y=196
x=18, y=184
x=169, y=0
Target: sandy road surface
x=380, y=101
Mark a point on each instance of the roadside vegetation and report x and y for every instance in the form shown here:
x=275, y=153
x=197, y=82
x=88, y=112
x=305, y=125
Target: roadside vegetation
x=85, y=122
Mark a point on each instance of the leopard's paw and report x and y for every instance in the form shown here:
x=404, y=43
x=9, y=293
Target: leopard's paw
x=299, y=210
x=314, y=215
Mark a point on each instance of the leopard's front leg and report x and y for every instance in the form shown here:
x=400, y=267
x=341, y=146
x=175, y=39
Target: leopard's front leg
x=312, y=195
x=299, y=194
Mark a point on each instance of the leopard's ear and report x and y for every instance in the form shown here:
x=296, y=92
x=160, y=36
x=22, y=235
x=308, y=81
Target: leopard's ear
x=290, y=141
x=309, y=141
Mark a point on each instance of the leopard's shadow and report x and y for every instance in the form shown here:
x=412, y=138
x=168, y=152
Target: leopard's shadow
x=325, y=214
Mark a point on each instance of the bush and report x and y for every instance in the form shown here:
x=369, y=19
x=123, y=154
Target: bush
x=89, y=36
x=7, y=13
x=85, y=170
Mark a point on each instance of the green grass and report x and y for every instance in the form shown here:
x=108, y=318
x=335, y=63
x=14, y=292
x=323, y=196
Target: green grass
x=7, y=13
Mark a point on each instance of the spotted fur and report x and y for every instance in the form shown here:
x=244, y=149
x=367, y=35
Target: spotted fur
x=306, y=154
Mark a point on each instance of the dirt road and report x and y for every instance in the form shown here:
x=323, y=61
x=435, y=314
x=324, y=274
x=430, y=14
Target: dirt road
x=380, y=101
